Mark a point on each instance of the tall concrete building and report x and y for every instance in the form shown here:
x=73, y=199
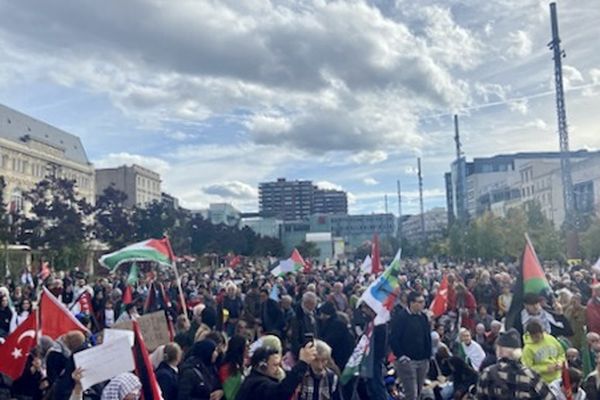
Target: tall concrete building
x=436, y=223
x=31, y=150
x=328, y=201
x=287, y=200
x=141, y=185
x=297, y=200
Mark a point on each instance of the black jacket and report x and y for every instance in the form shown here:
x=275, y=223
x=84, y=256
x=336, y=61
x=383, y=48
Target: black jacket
x=167, y=380
x=272, y=317
x=336, y=334
x=410, y=335
x=197, y=381
x=260, y=386
x=300, y=326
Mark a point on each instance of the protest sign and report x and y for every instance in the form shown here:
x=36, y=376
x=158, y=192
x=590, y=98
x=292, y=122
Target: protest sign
x=104, y=362
x=154, y=329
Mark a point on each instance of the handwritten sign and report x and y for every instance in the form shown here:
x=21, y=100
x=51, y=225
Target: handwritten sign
x=104, y=362
x=154, y=329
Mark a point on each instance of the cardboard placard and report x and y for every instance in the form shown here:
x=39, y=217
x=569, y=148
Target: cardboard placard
x=154, y=329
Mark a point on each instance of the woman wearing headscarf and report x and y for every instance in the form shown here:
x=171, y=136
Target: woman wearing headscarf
x=198, y=377
x=125, y=386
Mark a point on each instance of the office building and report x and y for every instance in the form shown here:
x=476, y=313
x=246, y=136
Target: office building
x=287, y=200
x=436, y=225
x=328, y=201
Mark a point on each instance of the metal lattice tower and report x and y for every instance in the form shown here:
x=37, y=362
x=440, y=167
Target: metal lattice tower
x=420, y=176
x=563, y=134
x=399, y=211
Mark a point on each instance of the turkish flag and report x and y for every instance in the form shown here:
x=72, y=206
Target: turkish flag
x=56, y=320
x=14, y=352
x=439, y=305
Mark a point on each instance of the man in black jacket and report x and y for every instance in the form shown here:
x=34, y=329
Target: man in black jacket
x=336, y=334
x=410, y=340
x=270, y=314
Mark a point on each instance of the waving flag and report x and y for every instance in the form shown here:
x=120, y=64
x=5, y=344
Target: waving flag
x=530, y=279
x=56, y=320
x=14, y=352
x=439, y=305
x=294, y=264
x=157, y=250
x=367, y=265
x=358, y=355
x=382, y=293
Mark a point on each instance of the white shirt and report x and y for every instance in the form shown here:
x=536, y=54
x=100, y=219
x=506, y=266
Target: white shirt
x=556, y=389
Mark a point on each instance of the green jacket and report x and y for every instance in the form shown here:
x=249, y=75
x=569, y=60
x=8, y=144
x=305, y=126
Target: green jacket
x=540, y=356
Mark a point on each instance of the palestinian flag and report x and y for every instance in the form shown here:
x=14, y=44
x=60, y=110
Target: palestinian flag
x=294, y=264
x=530, y=279
x=157, y=250
x=358, y=355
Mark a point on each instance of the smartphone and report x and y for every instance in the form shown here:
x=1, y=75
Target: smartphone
x=309, y=337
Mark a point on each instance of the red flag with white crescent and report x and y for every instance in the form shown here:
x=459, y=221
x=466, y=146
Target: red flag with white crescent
x=14, y=352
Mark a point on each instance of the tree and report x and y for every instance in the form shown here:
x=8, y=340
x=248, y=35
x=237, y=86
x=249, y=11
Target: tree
x=590, y=241
x=113, y=221
x=5, y=224
x=153, y=221
x=309, y=249
x=56, y=223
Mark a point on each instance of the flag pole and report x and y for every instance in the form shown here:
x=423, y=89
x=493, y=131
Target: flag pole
x=177, y=278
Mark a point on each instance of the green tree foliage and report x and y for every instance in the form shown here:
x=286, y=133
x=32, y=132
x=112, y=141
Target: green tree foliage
x=114, y=225
x=590, y=240
x=58, y=222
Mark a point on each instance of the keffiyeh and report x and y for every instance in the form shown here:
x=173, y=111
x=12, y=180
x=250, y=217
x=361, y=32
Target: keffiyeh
x=120, y=386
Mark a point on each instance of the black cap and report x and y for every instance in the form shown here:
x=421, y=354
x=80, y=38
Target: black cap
x=510, y=339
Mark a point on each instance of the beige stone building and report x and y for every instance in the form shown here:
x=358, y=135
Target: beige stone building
x=31, y=150
x=141, y=185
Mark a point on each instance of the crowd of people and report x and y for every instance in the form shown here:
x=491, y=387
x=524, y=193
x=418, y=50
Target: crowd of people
x=242, y=333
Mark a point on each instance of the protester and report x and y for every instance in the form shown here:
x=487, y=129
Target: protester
x=473, y=351
x=321, y=382
x=410, y=340
x=264, y=379
x=336, y=334
x=167, y=371
x=573, y=391
x=198, y=377
x=508, y=378
x=231, y=371
x=125, y=386
x=542, y=352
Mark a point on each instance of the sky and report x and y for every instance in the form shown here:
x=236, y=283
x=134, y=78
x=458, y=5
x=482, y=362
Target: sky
x=220, y=95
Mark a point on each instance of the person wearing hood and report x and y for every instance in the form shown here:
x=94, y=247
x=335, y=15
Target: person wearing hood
x=542, y=352
x=336, y=334
x=60, y=353
x=198, y=377
x=6, y=316
x=263, y=381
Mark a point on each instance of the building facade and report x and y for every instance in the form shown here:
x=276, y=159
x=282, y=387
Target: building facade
x=169, y=200
x=297, y=200
x=287, y=200
x=436, y=224
x=141, y=185
x=499, y=182
x=31, y=150
x=327, y=201
x=266, y=227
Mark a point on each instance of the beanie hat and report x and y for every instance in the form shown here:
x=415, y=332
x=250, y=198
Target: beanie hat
x=510, y=339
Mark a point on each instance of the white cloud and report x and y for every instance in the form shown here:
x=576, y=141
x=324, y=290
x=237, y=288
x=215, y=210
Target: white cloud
x=117, y=159
x=232, y=190
x=369, y=157
x=370, y=181
x=328, y=185
x=179, y=135
x=519, y=105
x=571, y=76
x=538, y=123
x=519, y=44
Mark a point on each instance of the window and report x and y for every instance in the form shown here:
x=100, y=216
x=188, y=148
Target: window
x=16, y=200
x=5, y=160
